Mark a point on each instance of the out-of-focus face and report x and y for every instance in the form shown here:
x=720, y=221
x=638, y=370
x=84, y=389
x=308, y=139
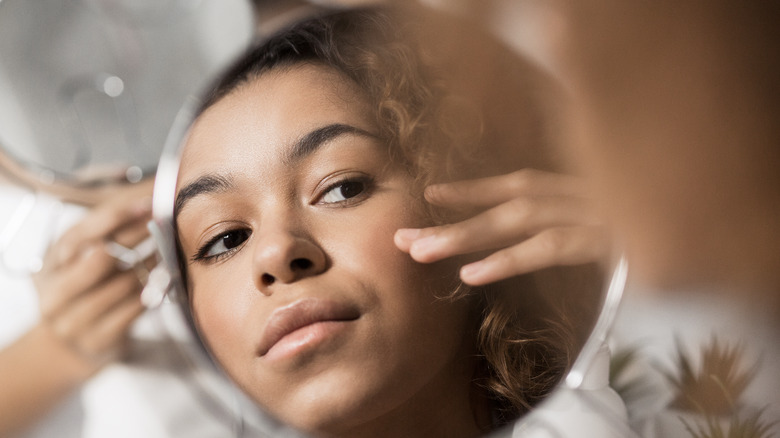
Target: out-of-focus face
x=662, y=117
x=289, y=209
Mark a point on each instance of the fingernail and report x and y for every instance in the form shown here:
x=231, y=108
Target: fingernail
x=470, y=270
x=432, y=190
x=424, y=246
x=408, y=233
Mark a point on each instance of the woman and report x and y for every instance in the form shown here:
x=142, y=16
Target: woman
x=302, y=193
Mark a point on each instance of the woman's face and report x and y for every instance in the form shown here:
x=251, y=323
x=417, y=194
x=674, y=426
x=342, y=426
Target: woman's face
x=287, y=206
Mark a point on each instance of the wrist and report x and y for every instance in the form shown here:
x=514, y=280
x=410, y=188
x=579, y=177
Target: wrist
x=74, y=366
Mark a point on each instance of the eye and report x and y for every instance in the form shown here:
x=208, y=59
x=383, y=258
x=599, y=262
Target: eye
x=222, y=245
x=344, y=191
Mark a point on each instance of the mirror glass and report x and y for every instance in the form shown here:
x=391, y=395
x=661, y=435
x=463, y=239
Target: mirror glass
x=276, y=206
x=89, y=89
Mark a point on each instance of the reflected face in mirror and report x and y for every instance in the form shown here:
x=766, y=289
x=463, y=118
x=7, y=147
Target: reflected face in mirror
x=294, y=279
x=303, y=163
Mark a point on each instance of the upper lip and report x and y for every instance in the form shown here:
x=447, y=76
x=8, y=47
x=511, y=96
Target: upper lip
x=285, y=320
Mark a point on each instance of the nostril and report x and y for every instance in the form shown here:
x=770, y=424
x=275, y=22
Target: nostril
x=300, y=264
x=268, y=279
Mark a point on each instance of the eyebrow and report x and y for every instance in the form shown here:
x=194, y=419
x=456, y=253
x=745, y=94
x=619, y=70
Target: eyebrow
x=302, y=148
x=314, y=139
x=203, y=185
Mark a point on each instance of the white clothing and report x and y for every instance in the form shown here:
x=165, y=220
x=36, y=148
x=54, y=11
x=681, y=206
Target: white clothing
x=150, y=395
x=592, y=410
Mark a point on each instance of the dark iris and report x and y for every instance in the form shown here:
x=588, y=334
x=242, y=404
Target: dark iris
x=234, y=238
x=350, y=189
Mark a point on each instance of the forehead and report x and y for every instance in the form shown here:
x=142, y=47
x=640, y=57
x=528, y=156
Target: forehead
x=261, y=119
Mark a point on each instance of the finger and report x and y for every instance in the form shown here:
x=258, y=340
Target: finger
x=491, y=191
x=404, y=237
x=81, y=316
x=101, y=222
x=106, y=339
x=562, y=246
x=130, y=235
x=130, y=246
x=498, y=227
x=91, y=267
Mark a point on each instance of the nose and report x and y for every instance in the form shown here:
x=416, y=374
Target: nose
x=282, y=257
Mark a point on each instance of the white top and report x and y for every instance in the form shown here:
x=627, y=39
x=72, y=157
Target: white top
x=591, y=410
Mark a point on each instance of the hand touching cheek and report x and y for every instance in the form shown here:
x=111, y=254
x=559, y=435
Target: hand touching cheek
x=525, y=221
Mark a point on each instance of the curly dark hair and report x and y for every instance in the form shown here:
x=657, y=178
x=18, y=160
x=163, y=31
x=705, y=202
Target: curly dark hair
x=436, y=118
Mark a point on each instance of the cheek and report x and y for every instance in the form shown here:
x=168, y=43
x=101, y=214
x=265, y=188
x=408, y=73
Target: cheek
x=221, y=310
x=404, y=288
x=414, y=335
x=368, y=244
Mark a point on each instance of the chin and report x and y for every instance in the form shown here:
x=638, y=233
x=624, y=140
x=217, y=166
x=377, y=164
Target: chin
x=329, y=404
x=328, y=414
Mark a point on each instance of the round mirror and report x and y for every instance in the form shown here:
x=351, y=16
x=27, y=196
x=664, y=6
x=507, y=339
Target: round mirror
x=292, y=207
x=89, y=89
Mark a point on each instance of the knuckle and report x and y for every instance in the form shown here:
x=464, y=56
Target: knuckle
x=522, y=180
x=453, y=236
x=64, y=329
x=523, y=209
x=553, y=242
x=504, y=264
x=468, y=234
x=503, y=259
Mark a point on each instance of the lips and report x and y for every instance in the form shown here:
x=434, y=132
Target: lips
x=300, y=314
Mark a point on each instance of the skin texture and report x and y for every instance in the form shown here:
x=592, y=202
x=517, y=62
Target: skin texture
x=286, y=207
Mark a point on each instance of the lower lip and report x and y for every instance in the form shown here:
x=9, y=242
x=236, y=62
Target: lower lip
x=305, y=338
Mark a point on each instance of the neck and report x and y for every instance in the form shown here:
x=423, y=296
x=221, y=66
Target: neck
x=442, y=408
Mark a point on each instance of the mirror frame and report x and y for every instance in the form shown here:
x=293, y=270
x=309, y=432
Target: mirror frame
x=167, y=284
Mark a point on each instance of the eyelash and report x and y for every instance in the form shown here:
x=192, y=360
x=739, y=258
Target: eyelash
x=201, y=254
x=368, y=185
